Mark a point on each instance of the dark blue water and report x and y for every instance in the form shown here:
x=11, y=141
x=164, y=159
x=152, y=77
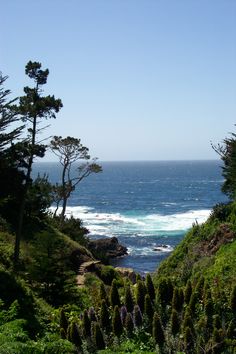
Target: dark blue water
x=147, y=205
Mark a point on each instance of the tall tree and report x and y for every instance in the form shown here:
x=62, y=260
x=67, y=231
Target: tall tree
x=227, y=153
x=70, y=151
x=10, y=192
x=7, y=117
x=33, y=108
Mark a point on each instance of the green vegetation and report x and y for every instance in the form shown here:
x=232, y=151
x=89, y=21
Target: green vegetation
x=188, y=306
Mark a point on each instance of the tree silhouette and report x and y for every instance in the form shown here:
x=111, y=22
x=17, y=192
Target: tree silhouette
x=33, y=108
x=70, y=150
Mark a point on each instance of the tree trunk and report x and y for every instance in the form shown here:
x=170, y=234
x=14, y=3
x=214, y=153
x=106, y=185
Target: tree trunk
x=23, y=202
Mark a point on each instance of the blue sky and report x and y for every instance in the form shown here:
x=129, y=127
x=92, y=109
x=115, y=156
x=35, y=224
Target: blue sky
x=139, y=79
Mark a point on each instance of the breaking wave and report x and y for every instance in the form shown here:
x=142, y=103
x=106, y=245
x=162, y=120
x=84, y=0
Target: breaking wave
x=117, y=224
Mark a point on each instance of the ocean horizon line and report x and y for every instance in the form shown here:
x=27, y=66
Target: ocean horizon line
x=143, y=161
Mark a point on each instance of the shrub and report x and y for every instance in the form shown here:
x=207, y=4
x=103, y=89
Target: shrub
x=108, y=274
x=129, y=325
x=150, y=287
x=188, y=340
x=175, y=323
x=103, y=293
x=137, y=316
x=116, y=322
x=188, y=291
x=140, y=294
x=98, y=337
x=129, y=302
x=63, y=320
x=157, y=330
x=114, y=295
x=74, y=335
x=86, y=324
x=105, y=317
x=148, y=308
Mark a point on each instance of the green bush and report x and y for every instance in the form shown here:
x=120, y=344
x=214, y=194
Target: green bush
x=107, y=274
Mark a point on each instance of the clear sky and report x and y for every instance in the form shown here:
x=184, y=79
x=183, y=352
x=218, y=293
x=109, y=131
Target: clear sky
x=139, y=79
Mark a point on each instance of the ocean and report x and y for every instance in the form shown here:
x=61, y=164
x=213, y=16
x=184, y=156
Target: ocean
x=148, y=206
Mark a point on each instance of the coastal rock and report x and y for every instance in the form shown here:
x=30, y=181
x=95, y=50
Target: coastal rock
x=127, y=272
x=109, y=246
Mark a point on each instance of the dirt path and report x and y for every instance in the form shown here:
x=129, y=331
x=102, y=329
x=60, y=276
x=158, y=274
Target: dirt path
x=80, y=279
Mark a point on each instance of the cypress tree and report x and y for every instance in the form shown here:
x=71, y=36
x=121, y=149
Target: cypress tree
x=116, y=322
x=114, y=295
x=150, y=287
x=148, y=308
x=74, y=335
x=129, y=325
x=129, y=302
x=63, y=320
x=105, y=317
x=140, y=294
x=157, y=330
x=98, y=337
x=137, y=316
x=86, y=324
x=175, y=323
x=188, y=291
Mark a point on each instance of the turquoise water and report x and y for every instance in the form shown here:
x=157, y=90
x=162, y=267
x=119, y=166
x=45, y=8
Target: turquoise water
x=147, y=205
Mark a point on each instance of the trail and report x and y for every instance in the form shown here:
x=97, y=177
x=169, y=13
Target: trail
x=80, y=279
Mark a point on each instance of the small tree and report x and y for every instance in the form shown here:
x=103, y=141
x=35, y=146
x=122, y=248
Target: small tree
x=70, y=151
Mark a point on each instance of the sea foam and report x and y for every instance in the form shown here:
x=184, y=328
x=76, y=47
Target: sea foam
x=117, y=224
